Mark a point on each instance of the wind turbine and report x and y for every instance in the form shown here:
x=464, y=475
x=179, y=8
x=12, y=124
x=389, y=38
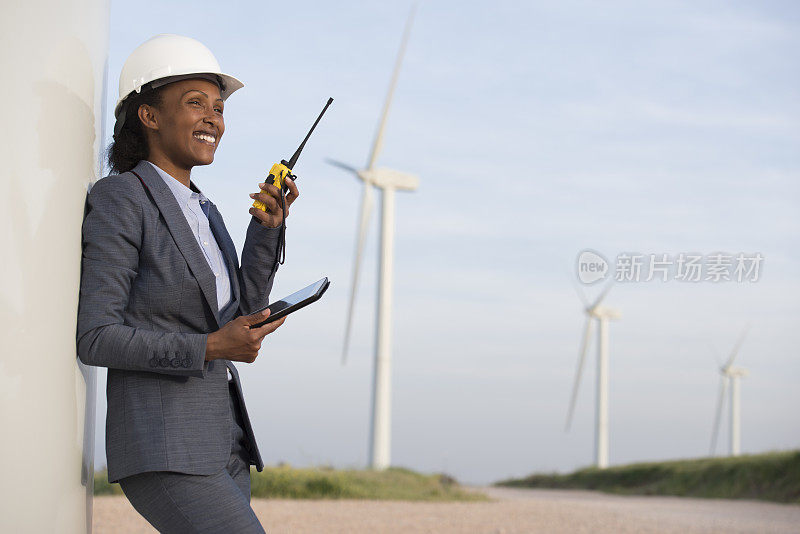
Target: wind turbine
x=602, y=314
x=388, y=181
x=730, y=374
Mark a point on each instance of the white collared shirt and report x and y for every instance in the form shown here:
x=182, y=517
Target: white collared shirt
x=190, y=204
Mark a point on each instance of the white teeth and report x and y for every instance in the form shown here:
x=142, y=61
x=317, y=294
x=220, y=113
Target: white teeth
x=206, y=137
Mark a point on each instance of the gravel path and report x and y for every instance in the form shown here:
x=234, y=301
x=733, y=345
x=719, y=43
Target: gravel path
x=514, y=511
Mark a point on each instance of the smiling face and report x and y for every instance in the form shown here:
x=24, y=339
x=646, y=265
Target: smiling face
x=185, y=129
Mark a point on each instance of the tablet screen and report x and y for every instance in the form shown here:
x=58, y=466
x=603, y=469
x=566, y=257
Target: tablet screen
x=296, y=297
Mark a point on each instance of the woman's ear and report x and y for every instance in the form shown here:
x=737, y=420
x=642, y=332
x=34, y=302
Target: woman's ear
x=149, y=116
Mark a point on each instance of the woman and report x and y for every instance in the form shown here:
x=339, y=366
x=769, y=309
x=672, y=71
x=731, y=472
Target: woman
x=164, y=303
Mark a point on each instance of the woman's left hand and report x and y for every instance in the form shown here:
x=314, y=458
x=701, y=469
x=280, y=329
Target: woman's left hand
x=271, y=197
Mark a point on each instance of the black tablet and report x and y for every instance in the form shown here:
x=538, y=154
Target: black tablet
x=295, y=301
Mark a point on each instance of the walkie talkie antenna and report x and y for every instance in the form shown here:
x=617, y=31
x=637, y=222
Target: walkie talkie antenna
x=296, y=155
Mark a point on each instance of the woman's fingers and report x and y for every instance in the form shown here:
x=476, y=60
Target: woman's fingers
x=271, y=202
x=268, y=328
x=293, y=191
x=273, y=216
x=270, y=190
x=274, y=192
x=240, y=341
x=257, y=317
x=270, y=196
x=266, y=219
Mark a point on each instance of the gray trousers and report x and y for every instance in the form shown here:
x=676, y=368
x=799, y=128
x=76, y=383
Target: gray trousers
x=180, y=503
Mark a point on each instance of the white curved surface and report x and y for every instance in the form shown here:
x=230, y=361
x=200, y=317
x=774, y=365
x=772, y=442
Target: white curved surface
x=53, y=56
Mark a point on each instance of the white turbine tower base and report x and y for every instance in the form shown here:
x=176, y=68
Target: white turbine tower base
x=602, y=315
x=388, y=181
x=601, y=416
x=736, y=415
x=380, y=447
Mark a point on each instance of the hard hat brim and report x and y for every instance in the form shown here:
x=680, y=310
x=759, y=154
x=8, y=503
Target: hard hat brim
x=228, y=86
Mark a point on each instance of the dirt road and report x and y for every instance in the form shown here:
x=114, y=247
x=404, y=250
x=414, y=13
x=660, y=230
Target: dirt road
x=512, y=512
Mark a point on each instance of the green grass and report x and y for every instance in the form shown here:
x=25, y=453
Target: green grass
x=103, y=487
x=773, y=476
x=285, y=482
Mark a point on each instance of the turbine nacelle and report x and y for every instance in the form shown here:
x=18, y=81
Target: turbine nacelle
x=389, y=179
x=734, y=372
x=601, y=312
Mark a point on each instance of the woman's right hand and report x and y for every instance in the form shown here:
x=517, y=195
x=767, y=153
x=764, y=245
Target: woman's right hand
x=238, y=342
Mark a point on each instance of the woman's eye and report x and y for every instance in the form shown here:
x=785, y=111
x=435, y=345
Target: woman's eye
x=218, y=110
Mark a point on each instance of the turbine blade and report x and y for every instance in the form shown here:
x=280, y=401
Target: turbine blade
x=581, y=358
x=581, y=294
x=602, y=295
x=723, y=382
x=738, y=346
x=378, y=142
x=343, y=166
x=717, y=355
x=363, y=226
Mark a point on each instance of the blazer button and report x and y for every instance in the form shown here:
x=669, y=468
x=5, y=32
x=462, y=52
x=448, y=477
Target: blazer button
x=164, y=362
x=153, y=362
x=186, y=362
x=175, y=362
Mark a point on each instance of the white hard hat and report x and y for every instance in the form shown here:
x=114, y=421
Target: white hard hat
x=168, y=58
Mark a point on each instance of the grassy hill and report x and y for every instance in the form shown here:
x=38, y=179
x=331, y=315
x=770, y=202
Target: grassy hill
x=772, y=476
x=325, y=483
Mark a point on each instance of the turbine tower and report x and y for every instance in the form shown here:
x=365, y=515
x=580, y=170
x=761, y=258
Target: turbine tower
x=602, y=314
x=730, y=374
x=388, y=181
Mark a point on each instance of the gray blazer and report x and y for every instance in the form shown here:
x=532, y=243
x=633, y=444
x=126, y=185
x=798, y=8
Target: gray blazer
x=147, y=303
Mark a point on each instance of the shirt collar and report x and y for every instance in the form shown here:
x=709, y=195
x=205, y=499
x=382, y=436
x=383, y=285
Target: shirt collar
x=182, y=193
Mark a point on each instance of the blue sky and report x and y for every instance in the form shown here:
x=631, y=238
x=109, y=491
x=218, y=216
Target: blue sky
x=537, y=130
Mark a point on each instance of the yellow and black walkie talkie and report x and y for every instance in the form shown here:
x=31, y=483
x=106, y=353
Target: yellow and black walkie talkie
x=279, y=171
x=277, y=175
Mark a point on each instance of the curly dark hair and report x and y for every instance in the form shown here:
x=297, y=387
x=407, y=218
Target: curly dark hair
x=130, y=145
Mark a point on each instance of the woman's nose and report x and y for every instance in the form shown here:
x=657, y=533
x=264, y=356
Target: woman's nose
x=213, y=119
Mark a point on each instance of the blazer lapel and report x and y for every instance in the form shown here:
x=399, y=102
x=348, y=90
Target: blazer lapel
x=225, y=245
x=181, y=233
